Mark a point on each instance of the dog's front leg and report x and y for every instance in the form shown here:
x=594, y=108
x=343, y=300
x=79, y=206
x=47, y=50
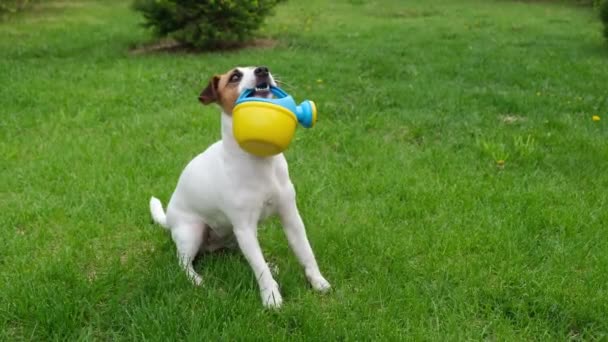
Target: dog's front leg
x=246, y=236
x=296, y=236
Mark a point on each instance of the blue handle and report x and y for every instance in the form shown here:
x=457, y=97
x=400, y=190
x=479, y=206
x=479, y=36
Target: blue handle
x=305, y=112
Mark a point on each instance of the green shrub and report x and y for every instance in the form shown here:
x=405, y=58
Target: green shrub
x=9, y=6
x=205, y=24
x=604, y=16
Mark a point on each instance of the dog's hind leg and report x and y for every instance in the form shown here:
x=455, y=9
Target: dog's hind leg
x=188, y=238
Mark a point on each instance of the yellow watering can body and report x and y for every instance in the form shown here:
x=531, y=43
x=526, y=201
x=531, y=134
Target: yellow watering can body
x=265, y=127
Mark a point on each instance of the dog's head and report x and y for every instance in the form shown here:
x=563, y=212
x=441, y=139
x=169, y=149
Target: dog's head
x=225, y=89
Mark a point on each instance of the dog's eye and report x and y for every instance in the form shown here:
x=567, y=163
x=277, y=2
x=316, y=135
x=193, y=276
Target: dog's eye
x=235, y=78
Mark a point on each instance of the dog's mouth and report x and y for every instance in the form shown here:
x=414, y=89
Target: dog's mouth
x=261, y=90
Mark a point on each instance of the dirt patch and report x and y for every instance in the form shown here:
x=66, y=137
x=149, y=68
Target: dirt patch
x=58, y=4
x=511, y=118
x=173, y=46
x=584, y=3
x=405, y=13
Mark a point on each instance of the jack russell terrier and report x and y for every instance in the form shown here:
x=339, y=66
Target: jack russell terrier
x=224, y=193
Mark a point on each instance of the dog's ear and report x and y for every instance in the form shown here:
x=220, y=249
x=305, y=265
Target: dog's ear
x=209, y=94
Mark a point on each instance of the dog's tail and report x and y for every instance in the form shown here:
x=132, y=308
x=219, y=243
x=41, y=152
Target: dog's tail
x=158, y=214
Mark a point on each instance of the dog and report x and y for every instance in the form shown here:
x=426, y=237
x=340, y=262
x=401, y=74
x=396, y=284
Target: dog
x=224, y=193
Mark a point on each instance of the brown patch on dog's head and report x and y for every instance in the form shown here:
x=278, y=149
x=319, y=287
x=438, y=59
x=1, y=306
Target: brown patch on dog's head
x=209, y=94
x=223, y=90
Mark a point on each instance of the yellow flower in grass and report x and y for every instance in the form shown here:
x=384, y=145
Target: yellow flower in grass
x=596, y=118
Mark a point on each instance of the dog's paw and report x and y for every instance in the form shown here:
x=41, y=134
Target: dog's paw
x=271, y=297
x=196, y=279
x=320, y=284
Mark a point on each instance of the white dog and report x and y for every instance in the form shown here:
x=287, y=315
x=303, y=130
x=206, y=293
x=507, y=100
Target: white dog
x=224, y=192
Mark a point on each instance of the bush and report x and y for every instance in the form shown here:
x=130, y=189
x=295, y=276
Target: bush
x=604, y=16
x=12, y=5
x=205, y=24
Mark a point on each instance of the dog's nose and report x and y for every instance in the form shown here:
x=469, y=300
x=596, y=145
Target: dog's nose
x=261, y=71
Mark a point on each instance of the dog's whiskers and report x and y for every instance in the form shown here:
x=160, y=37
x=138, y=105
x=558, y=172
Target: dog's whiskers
x=283, y=84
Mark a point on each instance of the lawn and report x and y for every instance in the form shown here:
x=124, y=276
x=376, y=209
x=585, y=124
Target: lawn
x=454, y=188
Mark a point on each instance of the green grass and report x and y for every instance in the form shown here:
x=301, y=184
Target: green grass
x=422, y=230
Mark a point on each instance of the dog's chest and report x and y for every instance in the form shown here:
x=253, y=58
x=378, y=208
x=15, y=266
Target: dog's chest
x=262, y=200
x=256, y=201
x=269, y=208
